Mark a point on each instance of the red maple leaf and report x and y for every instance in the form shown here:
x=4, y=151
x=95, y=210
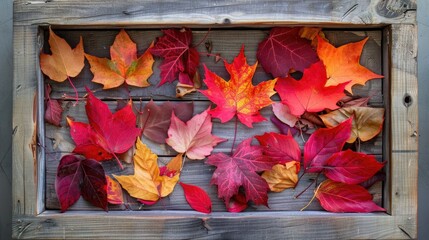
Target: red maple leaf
x=106, y=134
x=240, y=170
x=180, y=59
x=238, y=96
x=284, y=49
x=351, y=167
x=341, y=197
x=309, y=93
x=78, y=176
x=280, y=148
x=323, y=143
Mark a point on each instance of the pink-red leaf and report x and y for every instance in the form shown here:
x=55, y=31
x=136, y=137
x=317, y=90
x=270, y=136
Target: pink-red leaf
x=240, y=170
x=237, y=203
x=193, y=137
x=284, y=49
x=154, y=120
x=107, y=133
x=323, y=143
x=180, y=58
x=351, y=167
x=197, y=198
x=309, y=93
x=280, y=148
x=78, y=176
x=341, y=197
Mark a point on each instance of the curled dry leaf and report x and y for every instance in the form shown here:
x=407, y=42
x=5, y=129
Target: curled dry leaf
x=193, y=137
x=310, y=93
x=238, y=95
x=124, y=65
x=343, y=63
x=282, y=112
x=64, y=61
x=341, y=197
x=147, y=183
x=197, y=198
x=282, y=176
x=367, y=121
x=311, y=34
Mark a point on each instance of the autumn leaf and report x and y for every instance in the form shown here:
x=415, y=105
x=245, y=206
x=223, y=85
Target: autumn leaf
x=241, y=170
x=282, y=112
x=114, y=192
x=197, y=198
x=237, y=203
x=154, y=120
x=309, y=93
x=282, y=176
x=285, y=49
x=147, y=183
x=53, y=109
x=323, y=143
x=180, y=58
x=238, y=96
x=341, y=197
x=64, y=61
x=342, y=63
x=280, y=148
x=351, y=167
x=282, y=127
x=367, y=121
x=124, y=65
x=194, y=137
x=106, y=134
x=78, y=176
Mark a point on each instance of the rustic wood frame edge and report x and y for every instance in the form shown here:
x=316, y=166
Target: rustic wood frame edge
x=31, y=220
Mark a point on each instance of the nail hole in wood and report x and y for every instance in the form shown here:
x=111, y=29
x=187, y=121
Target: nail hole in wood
x=407, y=100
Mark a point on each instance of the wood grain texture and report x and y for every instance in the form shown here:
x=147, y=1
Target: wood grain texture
x=24, y=121
x=194, y=225
x=221, y=12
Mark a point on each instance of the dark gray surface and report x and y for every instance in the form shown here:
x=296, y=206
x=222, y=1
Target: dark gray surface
x=6, y=66
x=423, y=77
x=6, y=125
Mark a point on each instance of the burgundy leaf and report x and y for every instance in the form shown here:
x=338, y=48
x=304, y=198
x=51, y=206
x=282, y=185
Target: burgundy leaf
x=323, y=143
x=155, y=119
x=341, y=197
x=283, y=127
x=351, y=167
x=67, y=182
x=53, y=109
x=94, y=184
x=284, y=49
x=197, y=198
x=280, y=148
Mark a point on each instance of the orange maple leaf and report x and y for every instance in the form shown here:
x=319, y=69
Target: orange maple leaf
x=64, y=61
x=124, y=65
x=342, y=63
x=238, y=96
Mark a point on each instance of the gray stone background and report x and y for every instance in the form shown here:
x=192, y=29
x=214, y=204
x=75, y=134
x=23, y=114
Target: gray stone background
x=6, y=78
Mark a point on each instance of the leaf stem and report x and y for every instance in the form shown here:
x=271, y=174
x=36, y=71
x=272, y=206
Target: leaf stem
x=303, y=191
x=235, y=134
x=299, y=179
x=204, y=38
x=311, y=200
x=300, y=131
x=183, y=162
x=76, y=98
x=118, y=161
x=358, y=145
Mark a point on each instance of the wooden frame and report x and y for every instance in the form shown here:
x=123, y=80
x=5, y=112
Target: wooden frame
x=31, y=220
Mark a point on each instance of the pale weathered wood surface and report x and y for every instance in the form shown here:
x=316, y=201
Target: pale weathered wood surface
x=221, y=12
x=193, y=225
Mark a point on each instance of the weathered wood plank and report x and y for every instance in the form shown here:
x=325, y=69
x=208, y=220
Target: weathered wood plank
x=404, y=88
x=222, y=12
x=226, y=42
x=24, y=121
x=193, y=225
